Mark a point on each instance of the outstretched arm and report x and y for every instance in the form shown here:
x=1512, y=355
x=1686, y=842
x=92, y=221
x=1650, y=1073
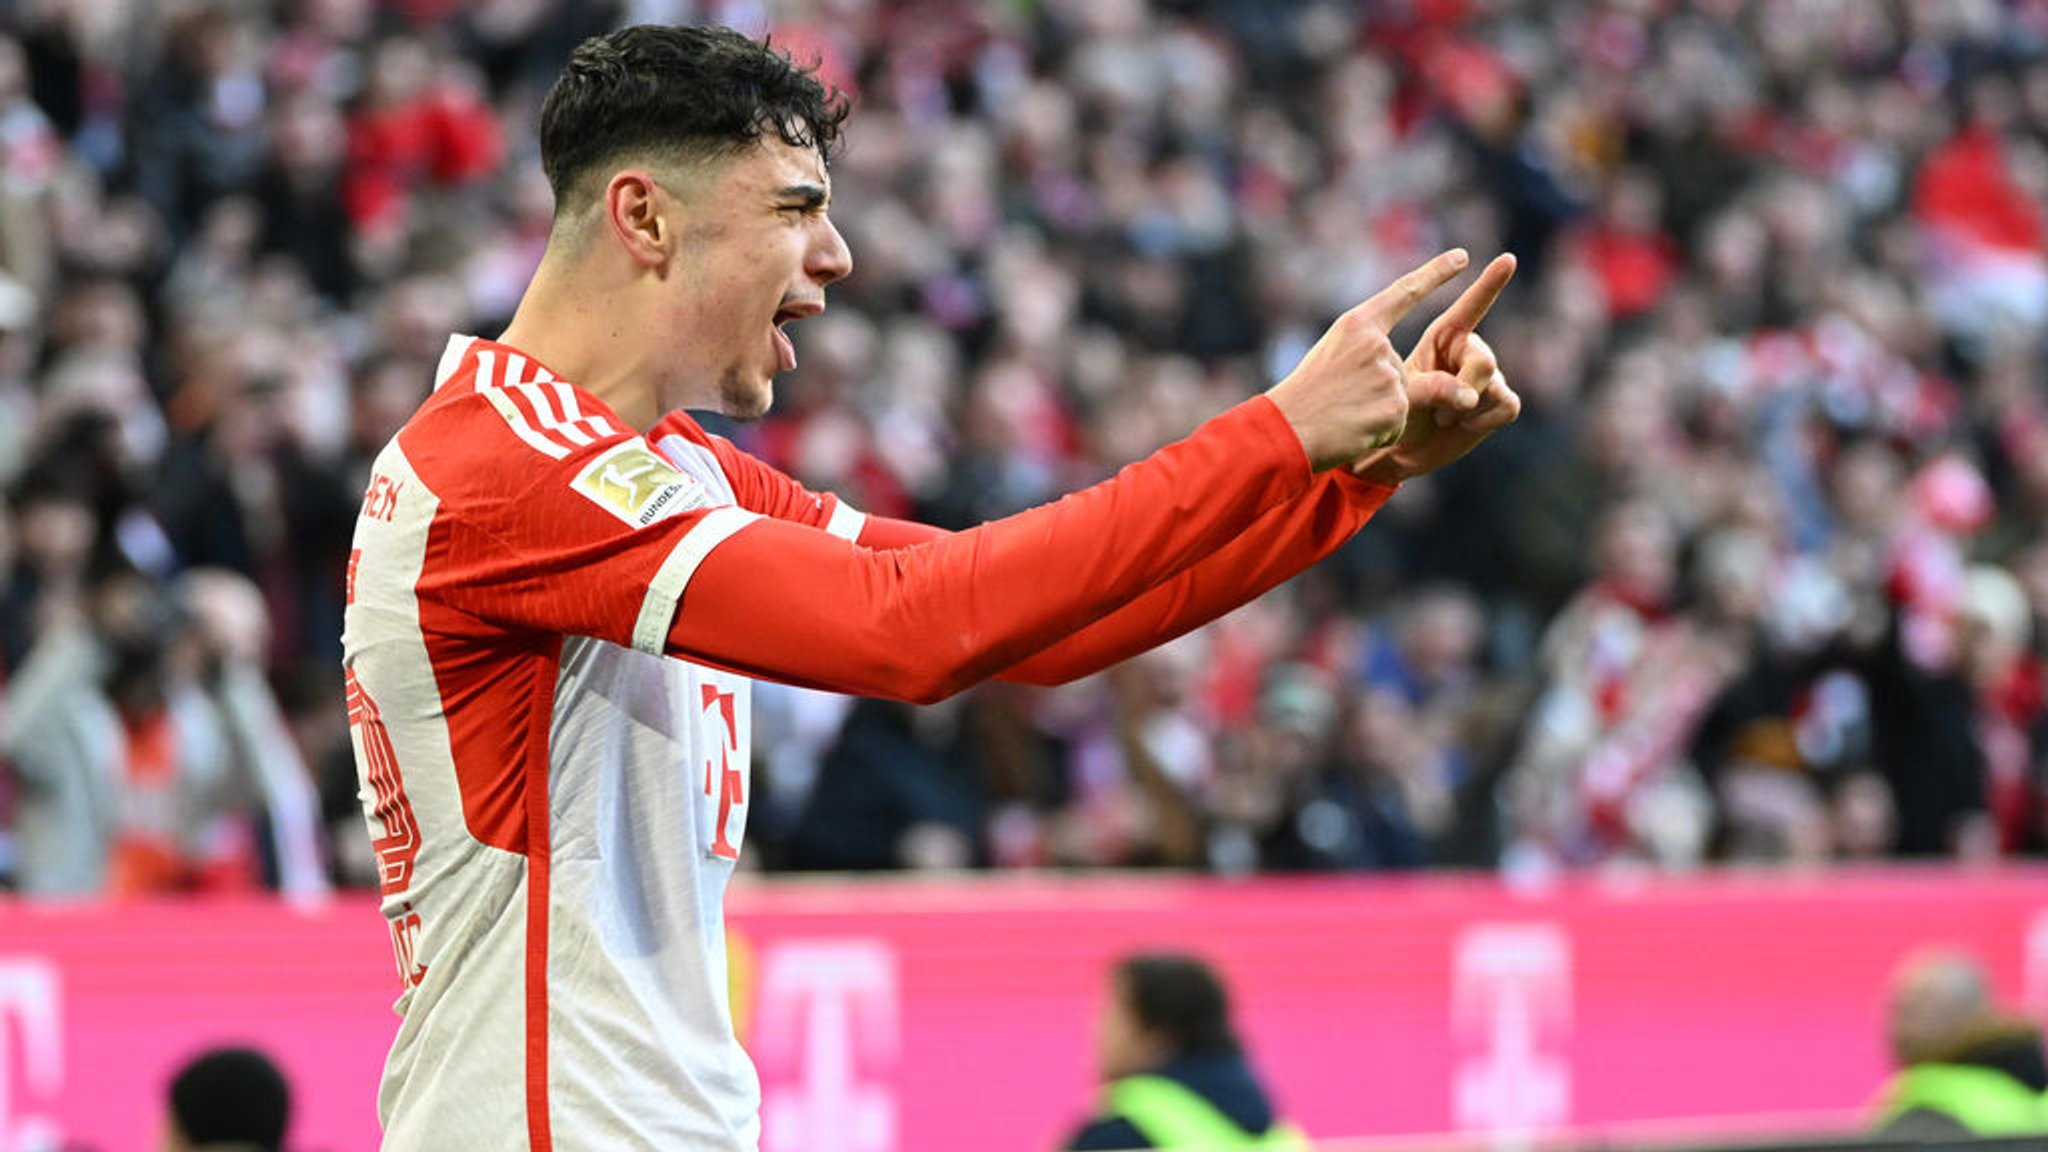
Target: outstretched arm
x=924, y=621
x=1277, y=547
x=1292, y=537
x=785, y=601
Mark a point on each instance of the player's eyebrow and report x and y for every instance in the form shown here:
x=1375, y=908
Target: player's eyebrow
x=806, y=194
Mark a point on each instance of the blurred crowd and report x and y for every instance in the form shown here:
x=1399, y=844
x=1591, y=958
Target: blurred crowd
x=1761, y=575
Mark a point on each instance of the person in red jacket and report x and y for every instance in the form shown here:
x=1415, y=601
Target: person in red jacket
x=561, y=586
x=415, y=129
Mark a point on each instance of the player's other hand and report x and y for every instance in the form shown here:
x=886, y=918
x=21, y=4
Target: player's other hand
x=1351, y=394
x=1443, y=427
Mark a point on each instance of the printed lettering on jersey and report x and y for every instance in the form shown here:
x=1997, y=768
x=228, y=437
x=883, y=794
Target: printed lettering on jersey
x=380, y=502
x=632, y=481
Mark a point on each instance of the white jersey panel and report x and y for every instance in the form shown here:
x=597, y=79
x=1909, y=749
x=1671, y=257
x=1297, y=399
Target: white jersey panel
x=648, y=811
x=461, y=898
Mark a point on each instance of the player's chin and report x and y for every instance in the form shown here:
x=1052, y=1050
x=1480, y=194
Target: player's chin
x=748, y=398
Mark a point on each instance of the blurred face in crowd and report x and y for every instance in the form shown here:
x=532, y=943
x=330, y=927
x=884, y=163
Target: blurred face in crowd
x=400, y=69
x=1865, y=485
x=1936, y=999
x=1442, y=635
x=1123, y=1045
x=754, y=250
x=309, y=137
x=1864, y=817
x=56, y=536
x=383, y=398
x=1636, y=553
x=13, y=68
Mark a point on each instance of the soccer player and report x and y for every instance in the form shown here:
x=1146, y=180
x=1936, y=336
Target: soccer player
x=560, y=586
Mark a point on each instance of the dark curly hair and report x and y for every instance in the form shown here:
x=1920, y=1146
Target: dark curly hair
x=687, y=93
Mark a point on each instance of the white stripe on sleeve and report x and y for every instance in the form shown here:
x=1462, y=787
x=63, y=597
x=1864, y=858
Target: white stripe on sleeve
x=650, y=631
x=847, y=521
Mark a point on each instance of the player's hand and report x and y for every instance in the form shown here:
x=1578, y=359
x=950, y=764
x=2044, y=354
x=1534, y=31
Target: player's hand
x=1351, y=394
x=1445, y=428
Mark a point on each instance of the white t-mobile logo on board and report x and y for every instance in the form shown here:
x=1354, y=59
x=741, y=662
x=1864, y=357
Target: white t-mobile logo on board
x=828, y=1013
x=31, y=1010
x=1512, y=985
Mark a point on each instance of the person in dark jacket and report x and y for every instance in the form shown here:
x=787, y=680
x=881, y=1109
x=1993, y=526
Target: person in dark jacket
x=1174, y=1074
x=1966, y=1069
x=227, y=1100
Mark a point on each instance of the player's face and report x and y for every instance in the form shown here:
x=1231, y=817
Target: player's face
x=757, y=256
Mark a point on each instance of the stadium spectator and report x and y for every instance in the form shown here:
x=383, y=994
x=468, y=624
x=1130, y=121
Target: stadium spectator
x=1174, y=1074
x=2009, y=712
x=228, y=1100
x=1924, y=719
x=1965, y=1069
x=150, y=754
x=884, y=799
x=1140, y=763
x=1600, y=774
x=1272, y=774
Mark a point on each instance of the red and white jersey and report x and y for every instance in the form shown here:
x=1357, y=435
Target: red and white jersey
x=550, y=620
x=556, y=806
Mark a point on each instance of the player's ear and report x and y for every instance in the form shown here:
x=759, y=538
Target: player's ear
x=638, y=214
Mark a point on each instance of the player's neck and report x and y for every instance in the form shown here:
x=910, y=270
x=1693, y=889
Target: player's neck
x=589, y=336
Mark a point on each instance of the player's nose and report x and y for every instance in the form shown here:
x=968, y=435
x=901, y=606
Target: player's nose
x=830, y=258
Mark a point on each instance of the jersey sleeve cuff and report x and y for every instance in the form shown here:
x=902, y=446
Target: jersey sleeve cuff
x=1363, y=494
x=665, y=591
x=1266, y=420
x=847, y=521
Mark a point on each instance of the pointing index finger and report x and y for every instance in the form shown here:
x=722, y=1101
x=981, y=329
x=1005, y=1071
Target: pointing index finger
x=1475, y=302
x=1386, y=307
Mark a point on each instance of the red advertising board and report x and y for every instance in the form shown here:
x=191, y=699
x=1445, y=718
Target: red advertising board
x=931, y=1017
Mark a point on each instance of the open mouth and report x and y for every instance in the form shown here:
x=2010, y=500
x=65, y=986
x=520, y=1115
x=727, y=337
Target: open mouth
x=798, y=310
x=786, y=349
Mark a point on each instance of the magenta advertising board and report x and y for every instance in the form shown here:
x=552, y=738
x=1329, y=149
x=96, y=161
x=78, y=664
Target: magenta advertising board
x=931, y=1017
